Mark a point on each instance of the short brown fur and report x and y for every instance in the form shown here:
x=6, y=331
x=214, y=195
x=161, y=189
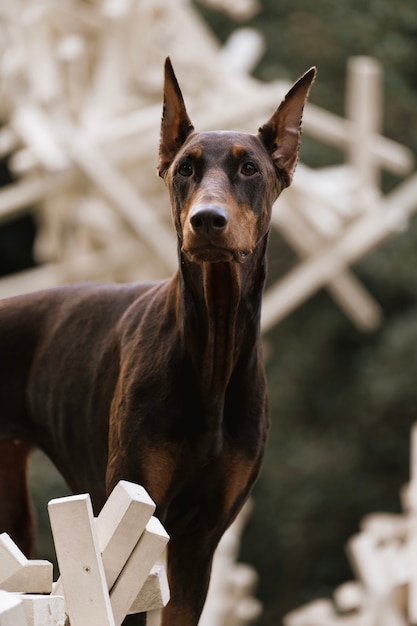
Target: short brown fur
x=160, y=383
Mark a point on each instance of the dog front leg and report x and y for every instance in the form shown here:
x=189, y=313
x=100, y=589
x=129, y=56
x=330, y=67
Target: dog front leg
x=16, y=511
x=190, y=556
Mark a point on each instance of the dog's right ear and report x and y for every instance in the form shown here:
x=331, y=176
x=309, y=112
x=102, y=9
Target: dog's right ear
x=281, y=135
x=176, y=125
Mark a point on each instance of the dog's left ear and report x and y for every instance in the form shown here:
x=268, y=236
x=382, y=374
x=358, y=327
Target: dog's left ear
x=281, y=135
x=176, y=125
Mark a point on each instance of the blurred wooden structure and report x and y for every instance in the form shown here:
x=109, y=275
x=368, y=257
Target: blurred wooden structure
x=81, y=100
x=334, y=216
x=383, y=556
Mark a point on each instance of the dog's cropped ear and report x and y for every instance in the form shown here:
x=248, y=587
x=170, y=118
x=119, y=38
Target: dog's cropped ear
x=281, y=135
x=176, y=125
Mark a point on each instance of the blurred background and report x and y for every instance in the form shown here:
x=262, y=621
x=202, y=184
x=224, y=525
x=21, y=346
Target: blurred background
x=343, y=399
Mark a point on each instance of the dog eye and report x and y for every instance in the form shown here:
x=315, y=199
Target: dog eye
x=185, y=169
x=248, y=168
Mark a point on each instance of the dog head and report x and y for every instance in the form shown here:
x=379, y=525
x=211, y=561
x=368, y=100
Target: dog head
x=223, y=183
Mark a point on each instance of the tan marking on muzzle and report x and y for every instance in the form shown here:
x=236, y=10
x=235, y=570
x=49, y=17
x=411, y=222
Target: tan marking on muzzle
x=238, y=237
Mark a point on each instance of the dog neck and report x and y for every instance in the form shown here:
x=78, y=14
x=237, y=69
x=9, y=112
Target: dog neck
x=220, y=307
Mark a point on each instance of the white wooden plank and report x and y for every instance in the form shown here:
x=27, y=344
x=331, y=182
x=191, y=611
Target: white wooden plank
x=120, y=524
x=242, y=580
x=386, y=526
x=412, y=562
x=40, y=60
x=315, y=613
x=246, y=611
x=43, y=610
x=154, y=618
x=16, y=197
x=388, y=613
x=12, y=612
x=136, y=570
x=338, y=132
x=361, y=237
x=34, y=577
x=12, y=558
x=408, y=496
x=364, y=108
x=35, y=129
x=122, y=194
x=154, y=594
x=91, y=266
x=367, y=563
x=8, y=141
x=349, y=596
x=345, y=288
x=72, y=54
x=82, y=572
x=112, y=67
x=242, y=50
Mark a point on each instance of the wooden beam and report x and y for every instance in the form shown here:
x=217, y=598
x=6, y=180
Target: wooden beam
x=12, y=612
x=134, y=574
x=86, y=595
x=388, y=217
x=154, y=594
x=120, y=192
x=345, y=288
x=120, y=523
x=364, y=106
x=12, y=558
x=43, y=610
x=34, y=577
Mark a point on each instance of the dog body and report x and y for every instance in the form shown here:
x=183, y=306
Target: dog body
x=162, y=383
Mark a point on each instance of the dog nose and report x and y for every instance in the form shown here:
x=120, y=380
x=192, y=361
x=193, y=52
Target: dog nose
x=209, y=219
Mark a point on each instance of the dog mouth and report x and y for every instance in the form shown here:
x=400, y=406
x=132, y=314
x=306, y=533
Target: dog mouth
x=215, y=254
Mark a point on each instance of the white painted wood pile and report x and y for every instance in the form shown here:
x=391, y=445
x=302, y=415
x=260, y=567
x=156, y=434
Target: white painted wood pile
x=114, y=565
x=108, y=566
x=383, y=556
x=81, y=99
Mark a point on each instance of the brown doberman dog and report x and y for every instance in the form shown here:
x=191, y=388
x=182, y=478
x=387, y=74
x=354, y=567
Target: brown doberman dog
x=160, y=383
